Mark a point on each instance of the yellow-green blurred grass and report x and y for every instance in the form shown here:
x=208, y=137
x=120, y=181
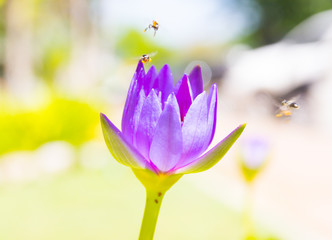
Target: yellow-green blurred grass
x=61, y=119
x=87, y=205
x=133, y=44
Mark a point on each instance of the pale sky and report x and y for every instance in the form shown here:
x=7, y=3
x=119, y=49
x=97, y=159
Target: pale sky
x=182, y=23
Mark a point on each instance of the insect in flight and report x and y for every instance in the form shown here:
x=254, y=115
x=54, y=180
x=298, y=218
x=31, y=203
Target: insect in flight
x=286, y=108
x=146, y=58
x=154, y=25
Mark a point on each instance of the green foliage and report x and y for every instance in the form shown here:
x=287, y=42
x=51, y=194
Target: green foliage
x=62, y=119
x=133, y=45
x=53, y=57
x=54, y=47
x=277, y=17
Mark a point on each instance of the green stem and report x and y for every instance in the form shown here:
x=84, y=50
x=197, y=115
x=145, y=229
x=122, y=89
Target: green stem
x=156, y=186
x=151, y=212
x=248, y=221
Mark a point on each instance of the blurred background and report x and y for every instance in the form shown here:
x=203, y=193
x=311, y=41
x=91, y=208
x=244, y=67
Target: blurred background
x=63, y=62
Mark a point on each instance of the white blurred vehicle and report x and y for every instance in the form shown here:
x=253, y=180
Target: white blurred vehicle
x=300, y=64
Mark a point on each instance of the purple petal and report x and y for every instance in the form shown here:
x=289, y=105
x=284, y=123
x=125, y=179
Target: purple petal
x=150, y=79
x=140, y=68
x=166, y=146
x=184, y=96
x=148, y=120
x=196, y=81
x=131, y=115
x=178, y=84
x=164, y=82
x=194, y=130
x=120, y=149
x=140, y=73
x=212, y=112
x=214, y=155
x=132, y=100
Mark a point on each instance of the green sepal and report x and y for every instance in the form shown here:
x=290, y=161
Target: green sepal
x=156, y=182
x=213, y=156
x=120, y=149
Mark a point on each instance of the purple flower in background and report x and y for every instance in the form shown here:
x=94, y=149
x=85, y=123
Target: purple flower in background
x=167, y=128
x=254, y=152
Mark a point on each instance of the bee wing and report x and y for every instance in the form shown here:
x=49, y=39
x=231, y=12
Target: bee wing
x=277, y=102
x=280, y=108
x=294, y=98
x=266, y=97
x=153, y=54
x=136, y=58
x=141, y=56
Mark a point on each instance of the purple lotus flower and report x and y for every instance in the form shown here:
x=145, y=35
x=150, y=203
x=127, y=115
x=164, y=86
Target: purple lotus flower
x=167, y=128
x=165, y=131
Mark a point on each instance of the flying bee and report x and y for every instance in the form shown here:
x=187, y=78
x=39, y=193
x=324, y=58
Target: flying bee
x=154, y=25
x=286, y=108
x=146, y=58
